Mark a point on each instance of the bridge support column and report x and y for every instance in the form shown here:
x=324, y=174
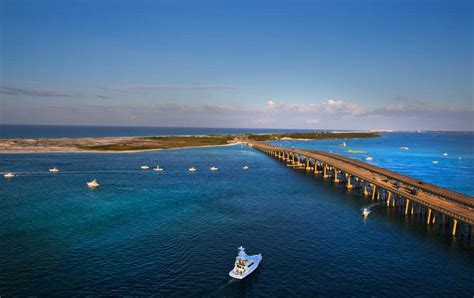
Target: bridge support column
x=366, y=193
x=349, y=185
x=308, y=166
x=388, y=199
x=336, y=180
x=406, y=206
x=455, y=224
x=373, y=192
x=429, y=216
x=325, y=171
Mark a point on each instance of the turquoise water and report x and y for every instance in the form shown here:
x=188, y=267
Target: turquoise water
x=454, y=171
x=176, y=233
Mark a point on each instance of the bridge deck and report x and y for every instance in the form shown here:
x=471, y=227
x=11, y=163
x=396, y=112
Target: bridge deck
x=448, y=202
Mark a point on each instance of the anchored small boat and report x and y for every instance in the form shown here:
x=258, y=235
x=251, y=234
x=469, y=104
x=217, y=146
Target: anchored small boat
x=213, y=168
x=343, y=144
x=404, y=148
x=365, y=212
x=445, y=154
x=158, y=169
x=246, y=167
x=434, y=161
x=93, y=184
x=9, y=175
x=244, y=264
x=53, y=170
x=144, y=167
x=192, y=169
x=369, y=158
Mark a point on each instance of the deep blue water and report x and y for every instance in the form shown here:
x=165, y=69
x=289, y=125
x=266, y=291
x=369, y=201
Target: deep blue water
x=62, y=131
x=176, y=233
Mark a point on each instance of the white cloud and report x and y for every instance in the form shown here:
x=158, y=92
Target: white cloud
x=330, y=106
x=338, y=106
x=271, y=105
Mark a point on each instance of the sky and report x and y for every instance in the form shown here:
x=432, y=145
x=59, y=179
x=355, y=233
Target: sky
x=400, y=65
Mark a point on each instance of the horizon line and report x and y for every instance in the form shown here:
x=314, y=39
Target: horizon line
x=208, y=127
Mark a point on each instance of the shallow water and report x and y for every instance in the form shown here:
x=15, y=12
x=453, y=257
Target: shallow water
x=176, y=233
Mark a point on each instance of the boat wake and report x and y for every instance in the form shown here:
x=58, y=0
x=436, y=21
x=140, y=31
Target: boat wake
x=222, y=287
x=367, y=209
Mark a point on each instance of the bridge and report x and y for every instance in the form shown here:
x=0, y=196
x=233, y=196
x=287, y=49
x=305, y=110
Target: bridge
x=449, y=208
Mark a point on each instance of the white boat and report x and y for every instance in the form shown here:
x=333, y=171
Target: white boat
x=343, y=144
x=244, y=264
x=144, y=167
x=435, y=161
x=158, y=169
x=192, y=169
x=213, y=168
x=93, y=184
x=369, y=158
x=365, y=212
x=246, y=167
x=404, y=148
x=54, y=170
x=445, y=154
x=9, y=175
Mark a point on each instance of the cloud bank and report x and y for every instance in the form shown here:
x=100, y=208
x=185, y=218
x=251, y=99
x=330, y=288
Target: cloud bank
x=401, y=114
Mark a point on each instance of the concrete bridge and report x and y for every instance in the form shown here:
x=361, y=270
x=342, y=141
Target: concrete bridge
x=433, y=203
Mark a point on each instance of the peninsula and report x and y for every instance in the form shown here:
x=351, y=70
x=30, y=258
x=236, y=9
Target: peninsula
x=137, y=144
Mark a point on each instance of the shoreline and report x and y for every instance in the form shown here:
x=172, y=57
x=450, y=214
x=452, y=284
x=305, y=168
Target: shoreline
x=155, y=143
x=78, y=151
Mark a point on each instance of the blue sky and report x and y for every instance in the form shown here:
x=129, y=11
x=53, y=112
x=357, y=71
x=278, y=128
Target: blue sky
x=278, y=64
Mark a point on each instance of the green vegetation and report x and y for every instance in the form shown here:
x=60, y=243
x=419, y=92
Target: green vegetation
x=149, y=143
x=170, y=142
x=313, y=136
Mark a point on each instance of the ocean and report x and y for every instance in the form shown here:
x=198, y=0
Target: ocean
x=176, y=233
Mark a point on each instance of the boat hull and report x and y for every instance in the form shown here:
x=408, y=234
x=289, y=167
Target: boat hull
x=256, y=259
